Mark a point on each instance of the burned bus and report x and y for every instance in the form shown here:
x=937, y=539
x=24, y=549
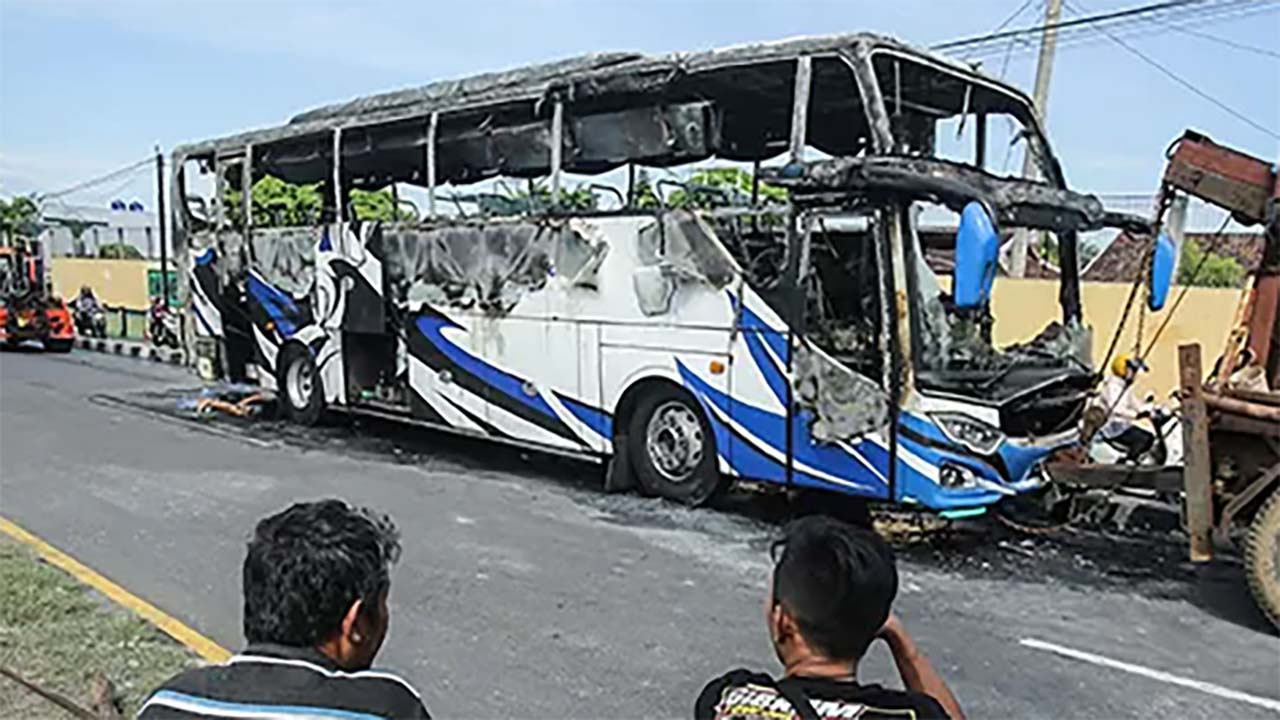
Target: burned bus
x=786, y=329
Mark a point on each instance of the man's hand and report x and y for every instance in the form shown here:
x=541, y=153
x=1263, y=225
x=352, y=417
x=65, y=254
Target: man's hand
x=917, y=673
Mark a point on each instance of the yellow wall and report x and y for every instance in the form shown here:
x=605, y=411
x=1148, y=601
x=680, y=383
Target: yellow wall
x=1023, y=307
x=119, y=283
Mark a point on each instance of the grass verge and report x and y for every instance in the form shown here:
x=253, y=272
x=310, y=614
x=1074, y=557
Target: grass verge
x=58, y=633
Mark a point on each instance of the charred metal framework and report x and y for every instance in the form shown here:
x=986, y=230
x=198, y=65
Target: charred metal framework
x=868, y=104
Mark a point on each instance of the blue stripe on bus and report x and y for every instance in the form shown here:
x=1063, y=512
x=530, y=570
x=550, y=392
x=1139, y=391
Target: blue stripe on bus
x=777, y=339
x=500, y=380
x=281, y=308
x=598, y=420
x=770, y=429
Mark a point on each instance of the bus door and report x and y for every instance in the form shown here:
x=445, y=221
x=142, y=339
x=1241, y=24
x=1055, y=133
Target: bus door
x=349, y=298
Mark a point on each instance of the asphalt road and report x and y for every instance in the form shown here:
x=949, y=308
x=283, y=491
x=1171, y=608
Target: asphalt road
x=523, y=591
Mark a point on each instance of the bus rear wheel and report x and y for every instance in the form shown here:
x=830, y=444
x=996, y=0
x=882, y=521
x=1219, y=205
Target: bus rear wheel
x=300, y=393
x=672, y=448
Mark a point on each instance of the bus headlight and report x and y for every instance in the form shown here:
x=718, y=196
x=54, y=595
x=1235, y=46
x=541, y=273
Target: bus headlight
x=956, y=477
x=976, y=435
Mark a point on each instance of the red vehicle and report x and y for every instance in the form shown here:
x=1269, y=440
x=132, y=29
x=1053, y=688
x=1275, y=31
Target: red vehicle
x=28, y=308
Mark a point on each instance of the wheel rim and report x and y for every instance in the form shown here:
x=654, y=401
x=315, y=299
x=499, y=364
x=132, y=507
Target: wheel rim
x=674, y=441
x=298, y=384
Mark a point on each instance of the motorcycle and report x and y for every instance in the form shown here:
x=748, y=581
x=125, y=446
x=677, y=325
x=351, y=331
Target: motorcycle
x=1165, y=425
x=162, y=327
x=91, y=322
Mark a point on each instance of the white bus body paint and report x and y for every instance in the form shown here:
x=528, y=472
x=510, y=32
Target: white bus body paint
x=1268, y=703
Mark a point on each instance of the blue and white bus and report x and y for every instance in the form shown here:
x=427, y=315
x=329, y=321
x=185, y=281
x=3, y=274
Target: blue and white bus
x=786, y=327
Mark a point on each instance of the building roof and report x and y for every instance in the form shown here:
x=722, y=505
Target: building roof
x=1121, y=261
x=941, y=257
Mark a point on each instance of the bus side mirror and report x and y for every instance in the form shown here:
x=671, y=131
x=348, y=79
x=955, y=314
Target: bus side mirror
x=977, y=248
x=1161, y=275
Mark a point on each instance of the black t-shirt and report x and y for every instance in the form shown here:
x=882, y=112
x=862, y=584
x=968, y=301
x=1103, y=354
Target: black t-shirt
x=745, y=695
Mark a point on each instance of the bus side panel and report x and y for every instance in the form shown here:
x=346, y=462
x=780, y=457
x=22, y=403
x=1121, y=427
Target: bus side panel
x=757, y=419
x=542, y=368
x=446, y=369
x=624, y=365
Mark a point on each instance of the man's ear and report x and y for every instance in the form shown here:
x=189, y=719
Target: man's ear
x=352, y=628
x=782, y=626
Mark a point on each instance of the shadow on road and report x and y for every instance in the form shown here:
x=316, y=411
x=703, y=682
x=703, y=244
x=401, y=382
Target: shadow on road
x=1222, y=591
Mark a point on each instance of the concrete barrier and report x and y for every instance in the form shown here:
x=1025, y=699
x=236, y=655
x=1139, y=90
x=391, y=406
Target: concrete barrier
x=129, y=348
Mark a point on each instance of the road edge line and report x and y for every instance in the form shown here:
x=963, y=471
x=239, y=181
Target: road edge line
x=1271, y=704
x=166, y=623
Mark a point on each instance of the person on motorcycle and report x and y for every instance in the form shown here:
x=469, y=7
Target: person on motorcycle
x=86, y=301
x=1123, y=411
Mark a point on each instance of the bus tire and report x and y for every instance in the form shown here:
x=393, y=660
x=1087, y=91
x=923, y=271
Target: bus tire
x=300, y=391
x=672, y=447
x=1262, y=557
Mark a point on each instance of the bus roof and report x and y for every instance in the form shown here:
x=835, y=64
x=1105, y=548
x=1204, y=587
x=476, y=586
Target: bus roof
x=601, y=73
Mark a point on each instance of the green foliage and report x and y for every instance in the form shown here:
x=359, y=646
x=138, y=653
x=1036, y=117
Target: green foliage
x=277, y=203
x=20, y=216
x=378, y=205
x=718, y=187
x=538, y=198
x=645, y=196
x=1214, y=269
x=119, y=251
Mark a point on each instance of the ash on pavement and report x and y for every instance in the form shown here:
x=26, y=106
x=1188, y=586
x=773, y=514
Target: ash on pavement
x=1147, y=556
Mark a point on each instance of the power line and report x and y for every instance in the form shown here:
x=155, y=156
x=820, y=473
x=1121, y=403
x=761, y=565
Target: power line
x=1184, y=82
x=1090, y=20
x=1130, y=23
x=100, y=179
x=1214, y=38
x=1140, y=28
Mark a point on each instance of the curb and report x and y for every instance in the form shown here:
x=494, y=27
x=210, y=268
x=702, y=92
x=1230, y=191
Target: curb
x=128, y=348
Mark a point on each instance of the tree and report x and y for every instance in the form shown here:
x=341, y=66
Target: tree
x=1208, y=268
x=537, y=198
x=722, y=186
x=20, y=216
x=119, y=251
x=644, y=195
x=279, y=203
x=276, y=203
x=378, y=205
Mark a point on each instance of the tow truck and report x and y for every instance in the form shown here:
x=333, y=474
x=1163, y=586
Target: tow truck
x=1229, y=479
x=29, y=310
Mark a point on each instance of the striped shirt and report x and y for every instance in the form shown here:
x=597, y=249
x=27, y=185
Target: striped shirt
x=274, y=681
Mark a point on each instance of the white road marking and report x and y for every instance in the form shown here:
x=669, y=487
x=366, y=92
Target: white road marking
x=1268, y=703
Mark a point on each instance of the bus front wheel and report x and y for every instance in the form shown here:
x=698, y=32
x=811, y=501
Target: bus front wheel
x=672, y=447
x=301, y=395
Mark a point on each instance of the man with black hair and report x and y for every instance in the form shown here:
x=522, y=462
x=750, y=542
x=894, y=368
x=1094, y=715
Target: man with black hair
x=316, y=578
x=831, y=596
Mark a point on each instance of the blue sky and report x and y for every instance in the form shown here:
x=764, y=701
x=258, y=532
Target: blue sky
x=86, y=87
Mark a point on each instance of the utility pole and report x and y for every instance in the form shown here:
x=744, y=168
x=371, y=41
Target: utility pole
x=1040, y=101
x=164, y=239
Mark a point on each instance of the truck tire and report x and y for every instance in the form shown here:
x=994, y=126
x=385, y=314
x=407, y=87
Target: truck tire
x=59, y=346
x=1262, y=557
x=301, y=395
x=672, y=447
